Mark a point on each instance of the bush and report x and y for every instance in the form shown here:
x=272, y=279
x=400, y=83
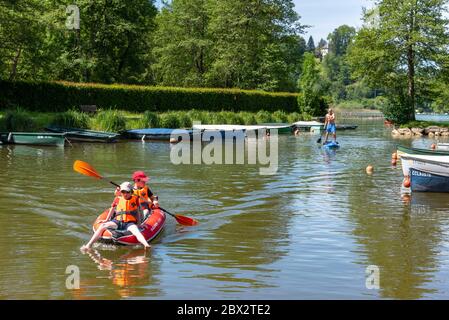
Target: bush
x=58, y=96
x=263, y=117
x=150, y=120
x=294, y=117
x=110, y=120
x=280, y=116
x=170, y=120
x=199, y=116
x=17, y=120
x=184, y=119
x=72, y=119
x=248, y=118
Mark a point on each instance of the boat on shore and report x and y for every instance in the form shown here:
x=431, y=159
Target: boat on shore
x=33, y=138
x=83, y=135
x=150, y=228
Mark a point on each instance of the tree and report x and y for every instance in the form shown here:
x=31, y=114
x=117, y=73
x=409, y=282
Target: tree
x=252, y=43
x=311, y=45
x=182, y=45
x=335, y=66
x=21, y=29
x=402, y=45
x=311, y=87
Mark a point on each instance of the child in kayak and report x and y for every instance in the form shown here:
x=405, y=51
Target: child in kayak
x=126, y=212
x=329, y=125
x=142, y=190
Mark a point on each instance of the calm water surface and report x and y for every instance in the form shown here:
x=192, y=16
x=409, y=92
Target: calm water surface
x=308, y=232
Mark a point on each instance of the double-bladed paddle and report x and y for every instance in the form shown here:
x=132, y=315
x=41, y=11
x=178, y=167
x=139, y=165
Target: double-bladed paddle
x=87, y=170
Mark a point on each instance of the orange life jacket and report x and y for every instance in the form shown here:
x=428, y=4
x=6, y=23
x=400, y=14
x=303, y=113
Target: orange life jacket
x=144, y=192
x=127, y=210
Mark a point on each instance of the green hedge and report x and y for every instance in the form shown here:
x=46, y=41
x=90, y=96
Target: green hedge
x=61, y=96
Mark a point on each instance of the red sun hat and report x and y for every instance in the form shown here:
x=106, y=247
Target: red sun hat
x=140, y=175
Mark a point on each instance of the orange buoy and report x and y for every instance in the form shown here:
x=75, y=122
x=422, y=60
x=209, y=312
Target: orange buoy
x=393, y=162
x=406, y=182
x=394, y=156
x=173, y=140
x=406, y=198
x=433, y=146
x=369, y=169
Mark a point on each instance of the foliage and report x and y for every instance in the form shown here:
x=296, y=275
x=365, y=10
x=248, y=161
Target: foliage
x=109, y=120
x=311, y=99
x=45, y=96
x=72, y=119
x=16, y=120
x=400, y=50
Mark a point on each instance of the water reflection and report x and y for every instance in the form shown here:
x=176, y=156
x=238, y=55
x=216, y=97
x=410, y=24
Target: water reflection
x=130, y=271
x=401, y=237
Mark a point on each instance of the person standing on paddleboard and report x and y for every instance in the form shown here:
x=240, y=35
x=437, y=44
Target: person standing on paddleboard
x=126, y=212
x=329, y=125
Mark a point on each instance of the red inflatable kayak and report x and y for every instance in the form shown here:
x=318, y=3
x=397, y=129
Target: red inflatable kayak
x=150, y=229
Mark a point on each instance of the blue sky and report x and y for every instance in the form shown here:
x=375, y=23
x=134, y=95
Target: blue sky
x=326, y=15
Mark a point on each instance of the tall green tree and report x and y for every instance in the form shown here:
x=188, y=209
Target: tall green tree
x=311, y=45
x=22, y=27
x=402, y=45
x=252, y=44
x=182, y=44
x=335, y=66
x=311, y=87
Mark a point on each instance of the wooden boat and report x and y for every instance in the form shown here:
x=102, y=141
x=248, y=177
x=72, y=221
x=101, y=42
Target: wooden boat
x=317, y=126
x=234, y=128
x=82, y=135
x=33, y=138
x=423, y=181
x=157, y=134
x=431, y=164
x=401, y=150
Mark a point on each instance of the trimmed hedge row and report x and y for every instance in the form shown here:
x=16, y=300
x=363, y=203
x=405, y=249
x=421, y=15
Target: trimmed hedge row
x=61, y=96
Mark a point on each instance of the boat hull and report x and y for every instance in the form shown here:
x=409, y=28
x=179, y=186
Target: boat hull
x=401, y=150
x=436, y=165
x=421, y=181
x=81, y=135
x=37, y=139
x=150, y=229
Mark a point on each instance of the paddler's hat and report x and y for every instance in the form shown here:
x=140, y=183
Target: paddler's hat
x=140, y=175
x=126, y=186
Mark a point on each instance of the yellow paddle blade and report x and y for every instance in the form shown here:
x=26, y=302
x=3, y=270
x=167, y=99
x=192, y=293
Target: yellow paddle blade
x=86, y=169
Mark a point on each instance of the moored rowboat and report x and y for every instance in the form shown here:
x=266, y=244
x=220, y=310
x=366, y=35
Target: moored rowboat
x=432, y=165
x=422, y=181
x=401, y=150
x=83, y=135
x=150, y=229
x=31, y=138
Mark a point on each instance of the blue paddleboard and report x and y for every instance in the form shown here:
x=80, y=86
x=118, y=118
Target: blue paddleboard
x=331, y=145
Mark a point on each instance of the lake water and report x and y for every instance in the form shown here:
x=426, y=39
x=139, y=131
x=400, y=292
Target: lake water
x=308, y=232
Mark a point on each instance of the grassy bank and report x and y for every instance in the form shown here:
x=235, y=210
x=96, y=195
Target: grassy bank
x=117, y=120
